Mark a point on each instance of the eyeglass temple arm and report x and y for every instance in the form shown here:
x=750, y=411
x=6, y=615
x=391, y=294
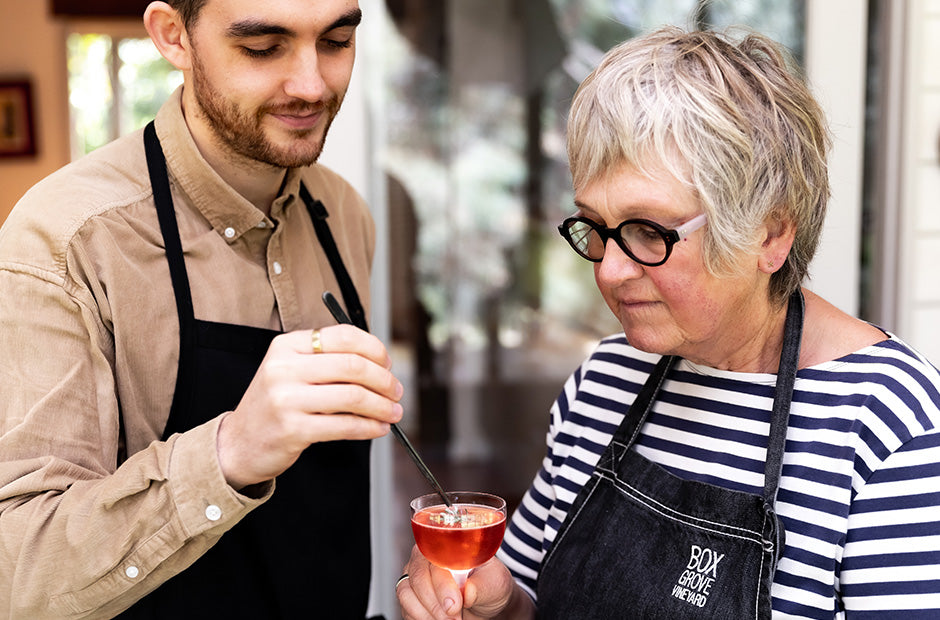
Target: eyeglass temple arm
x=691, y=226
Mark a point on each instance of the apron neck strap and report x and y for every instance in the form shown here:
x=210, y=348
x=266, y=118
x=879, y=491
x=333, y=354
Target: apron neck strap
x=318, y=215
x=160, y=183
x=629, y=429
x=783, y=395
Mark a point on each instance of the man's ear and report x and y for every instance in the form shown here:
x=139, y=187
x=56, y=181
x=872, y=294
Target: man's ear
x=776, y=243
x=166, y=30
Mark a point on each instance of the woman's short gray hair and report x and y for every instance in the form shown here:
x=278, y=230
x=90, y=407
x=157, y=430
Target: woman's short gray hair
x=729, y=118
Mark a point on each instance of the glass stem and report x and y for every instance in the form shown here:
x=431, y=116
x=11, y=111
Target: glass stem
x=460, y=576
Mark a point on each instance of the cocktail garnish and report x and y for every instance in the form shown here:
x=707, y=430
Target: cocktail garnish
x=450, y=516
x=453, y=515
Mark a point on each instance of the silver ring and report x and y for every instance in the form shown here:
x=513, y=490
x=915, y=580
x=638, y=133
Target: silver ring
x=400, y=580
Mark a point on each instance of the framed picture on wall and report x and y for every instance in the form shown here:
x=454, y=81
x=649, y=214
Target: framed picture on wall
x=17, y=135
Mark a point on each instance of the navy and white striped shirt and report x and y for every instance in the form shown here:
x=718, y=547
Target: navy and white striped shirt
x=860, y=488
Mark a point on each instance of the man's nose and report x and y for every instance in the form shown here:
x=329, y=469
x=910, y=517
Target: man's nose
x=306, y=79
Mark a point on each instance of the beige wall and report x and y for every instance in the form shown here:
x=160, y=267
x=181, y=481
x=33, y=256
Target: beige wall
x=32, y=45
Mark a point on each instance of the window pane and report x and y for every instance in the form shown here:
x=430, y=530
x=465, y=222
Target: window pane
x=113, y=94
x=146, y=80
x=90, y=94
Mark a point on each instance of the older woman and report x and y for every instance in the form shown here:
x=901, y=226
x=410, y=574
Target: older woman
x=743, y=448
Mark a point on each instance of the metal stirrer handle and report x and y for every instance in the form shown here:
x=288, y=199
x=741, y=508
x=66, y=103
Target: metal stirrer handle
x=340, y=315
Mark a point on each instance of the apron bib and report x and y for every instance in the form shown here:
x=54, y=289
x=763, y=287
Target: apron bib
x=306, y=551
x=640, y=542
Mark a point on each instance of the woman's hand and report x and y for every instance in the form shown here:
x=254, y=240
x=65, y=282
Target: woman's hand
x=430, y=593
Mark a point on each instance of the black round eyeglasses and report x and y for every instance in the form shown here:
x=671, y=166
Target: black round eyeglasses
x=645, y=241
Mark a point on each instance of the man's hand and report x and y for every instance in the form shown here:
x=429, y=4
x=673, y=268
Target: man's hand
x=299, y=397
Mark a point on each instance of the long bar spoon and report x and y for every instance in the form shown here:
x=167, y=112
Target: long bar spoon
x=341, y=317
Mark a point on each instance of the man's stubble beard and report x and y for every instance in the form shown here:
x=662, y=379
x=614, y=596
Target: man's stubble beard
x=240, y=132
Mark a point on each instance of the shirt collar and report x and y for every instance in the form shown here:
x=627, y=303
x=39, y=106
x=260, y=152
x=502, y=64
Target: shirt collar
x=290, y=193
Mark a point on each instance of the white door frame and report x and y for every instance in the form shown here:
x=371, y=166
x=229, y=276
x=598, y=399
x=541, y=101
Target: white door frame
x=836, y=51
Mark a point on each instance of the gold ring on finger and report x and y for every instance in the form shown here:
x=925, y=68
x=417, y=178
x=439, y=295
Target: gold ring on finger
x=315, y=341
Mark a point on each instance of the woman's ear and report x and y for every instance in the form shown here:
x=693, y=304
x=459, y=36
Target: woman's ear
x=777, y=240
x=166, y=30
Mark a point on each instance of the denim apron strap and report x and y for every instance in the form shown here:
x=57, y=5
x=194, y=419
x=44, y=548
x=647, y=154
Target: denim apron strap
x=783, y=395
x=629, y=428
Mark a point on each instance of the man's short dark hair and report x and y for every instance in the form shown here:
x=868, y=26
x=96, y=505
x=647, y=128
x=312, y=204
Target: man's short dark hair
x=188, y=9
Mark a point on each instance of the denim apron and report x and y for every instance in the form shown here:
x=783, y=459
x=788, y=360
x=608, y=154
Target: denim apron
x=305, y=553
x=640, y=542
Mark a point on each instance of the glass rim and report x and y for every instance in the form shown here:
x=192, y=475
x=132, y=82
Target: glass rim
x=417, y=505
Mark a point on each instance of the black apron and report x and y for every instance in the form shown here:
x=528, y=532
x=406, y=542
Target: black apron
x=305, y=553
x=640, y=542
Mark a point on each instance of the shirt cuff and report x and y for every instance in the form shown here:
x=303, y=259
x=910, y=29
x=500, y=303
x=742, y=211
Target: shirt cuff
x=203, y=498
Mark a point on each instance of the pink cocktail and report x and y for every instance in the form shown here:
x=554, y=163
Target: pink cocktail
x=461, y=538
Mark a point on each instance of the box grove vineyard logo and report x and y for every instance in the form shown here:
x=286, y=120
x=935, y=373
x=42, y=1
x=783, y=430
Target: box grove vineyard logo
x=700, y=573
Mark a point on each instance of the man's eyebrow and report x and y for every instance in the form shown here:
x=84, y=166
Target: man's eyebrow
x=352, y=18
x=257, y=28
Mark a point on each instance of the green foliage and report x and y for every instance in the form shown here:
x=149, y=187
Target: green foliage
x=136, y=77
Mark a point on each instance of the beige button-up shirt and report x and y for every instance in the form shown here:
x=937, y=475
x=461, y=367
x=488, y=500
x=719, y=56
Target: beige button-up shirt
x=89, y=339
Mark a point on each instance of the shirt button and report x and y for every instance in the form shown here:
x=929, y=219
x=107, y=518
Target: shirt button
x=213, y=512
x=132, y=572
x=229, y=232
x=277, y=268
x=262, y=224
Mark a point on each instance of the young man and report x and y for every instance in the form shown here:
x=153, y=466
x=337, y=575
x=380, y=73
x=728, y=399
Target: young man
x=166, y=354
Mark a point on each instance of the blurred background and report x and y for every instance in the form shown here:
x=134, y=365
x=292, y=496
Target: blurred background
x=453, y=130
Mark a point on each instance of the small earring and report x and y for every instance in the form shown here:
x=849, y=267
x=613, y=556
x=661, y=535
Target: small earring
x=770, y=264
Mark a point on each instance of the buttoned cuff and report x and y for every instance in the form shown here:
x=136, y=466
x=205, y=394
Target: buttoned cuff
x=203, y=498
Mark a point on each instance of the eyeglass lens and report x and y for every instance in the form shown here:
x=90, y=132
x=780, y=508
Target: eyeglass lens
x=640, y=241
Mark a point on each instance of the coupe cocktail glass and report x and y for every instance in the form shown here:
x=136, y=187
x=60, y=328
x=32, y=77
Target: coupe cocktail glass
x=462, y=538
